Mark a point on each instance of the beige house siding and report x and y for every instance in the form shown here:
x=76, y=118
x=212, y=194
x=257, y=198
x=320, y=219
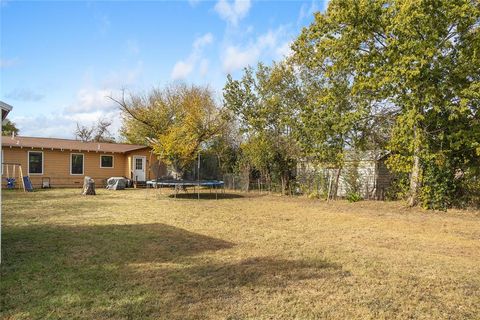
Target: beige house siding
x=56, y=165
x=154, y=167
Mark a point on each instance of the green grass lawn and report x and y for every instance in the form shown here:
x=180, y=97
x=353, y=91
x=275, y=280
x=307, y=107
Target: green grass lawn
x=135, y=254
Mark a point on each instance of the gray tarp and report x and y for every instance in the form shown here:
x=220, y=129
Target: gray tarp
x=116, y=183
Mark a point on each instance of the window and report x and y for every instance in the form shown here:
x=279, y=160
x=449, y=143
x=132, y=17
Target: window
x=35, y=162
x=138, y=164
x=106, y=161
x=76, y=163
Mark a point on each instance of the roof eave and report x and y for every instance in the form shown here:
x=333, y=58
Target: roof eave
x=68, y=149
x=6, y=108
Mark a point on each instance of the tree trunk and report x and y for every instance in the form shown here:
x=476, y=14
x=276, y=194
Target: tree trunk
x=176, y=171
x=414, y=182
x=245, y=177
x=88, y=187
x=268, y=182
x=337, y=179
x=285, y=182
x=415, y=174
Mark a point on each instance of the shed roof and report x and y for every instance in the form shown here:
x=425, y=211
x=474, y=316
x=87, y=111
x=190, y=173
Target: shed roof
x=67, y=144
x=356, y=155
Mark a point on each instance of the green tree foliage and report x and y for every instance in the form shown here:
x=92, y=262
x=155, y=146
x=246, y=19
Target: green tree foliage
x=175, y=121
x=265, y=103
x=226, y=146
x=9, y=128
x=418, y=59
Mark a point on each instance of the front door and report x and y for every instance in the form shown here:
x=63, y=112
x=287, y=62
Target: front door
x=139, y=163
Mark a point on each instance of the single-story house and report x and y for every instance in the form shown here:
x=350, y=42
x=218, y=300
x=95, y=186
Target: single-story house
x=65, y=163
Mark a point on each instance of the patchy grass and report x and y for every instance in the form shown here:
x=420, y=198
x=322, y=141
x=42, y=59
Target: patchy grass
x=135, y=254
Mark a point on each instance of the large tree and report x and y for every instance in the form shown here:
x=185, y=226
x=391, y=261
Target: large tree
x=264, y=102
x=419, y=58
x=176, y=121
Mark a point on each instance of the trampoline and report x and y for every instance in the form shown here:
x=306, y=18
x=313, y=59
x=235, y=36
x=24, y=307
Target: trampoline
x=185, y=184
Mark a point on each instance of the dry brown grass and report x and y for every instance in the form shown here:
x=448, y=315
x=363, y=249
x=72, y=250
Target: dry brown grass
x=133, y=255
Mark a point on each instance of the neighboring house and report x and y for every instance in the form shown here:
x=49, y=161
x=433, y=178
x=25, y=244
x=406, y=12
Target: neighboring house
x=6, y=108
x=364, y=171
x=66, y=162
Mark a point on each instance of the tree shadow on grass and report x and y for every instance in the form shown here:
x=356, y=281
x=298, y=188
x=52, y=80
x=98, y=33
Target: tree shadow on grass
x=131, y=272
x=137, y=243
x=42, y=262
x=212, y=289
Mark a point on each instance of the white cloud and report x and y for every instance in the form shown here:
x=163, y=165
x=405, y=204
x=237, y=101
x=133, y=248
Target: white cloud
x=202, y=41
x=204, y=67
x=52, y=125
x=268, y=39
x=234, y=11
x=62, y=125
x=272, y=45
x=183, y=68
x=90, y=104
x=93, y=99
x=284, y=50
x=94, y=95
x=90, y=100
x=237, y=58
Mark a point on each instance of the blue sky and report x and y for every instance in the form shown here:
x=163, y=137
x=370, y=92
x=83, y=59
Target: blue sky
x=60, y=60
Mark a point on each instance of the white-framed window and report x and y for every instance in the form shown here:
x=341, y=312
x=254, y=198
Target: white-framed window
x=138, y=164
x=35, y=162
x=77, y=163
x=106, y=161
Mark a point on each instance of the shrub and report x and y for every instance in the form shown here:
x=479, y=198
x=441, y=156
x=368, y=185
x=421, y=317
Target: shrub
x=354, y=197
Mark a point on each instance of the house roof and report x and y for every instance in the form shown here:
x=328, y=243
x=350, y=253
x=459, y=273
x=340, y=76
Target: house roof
x=67, y=144
x=6, y=108
x=368, y=155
